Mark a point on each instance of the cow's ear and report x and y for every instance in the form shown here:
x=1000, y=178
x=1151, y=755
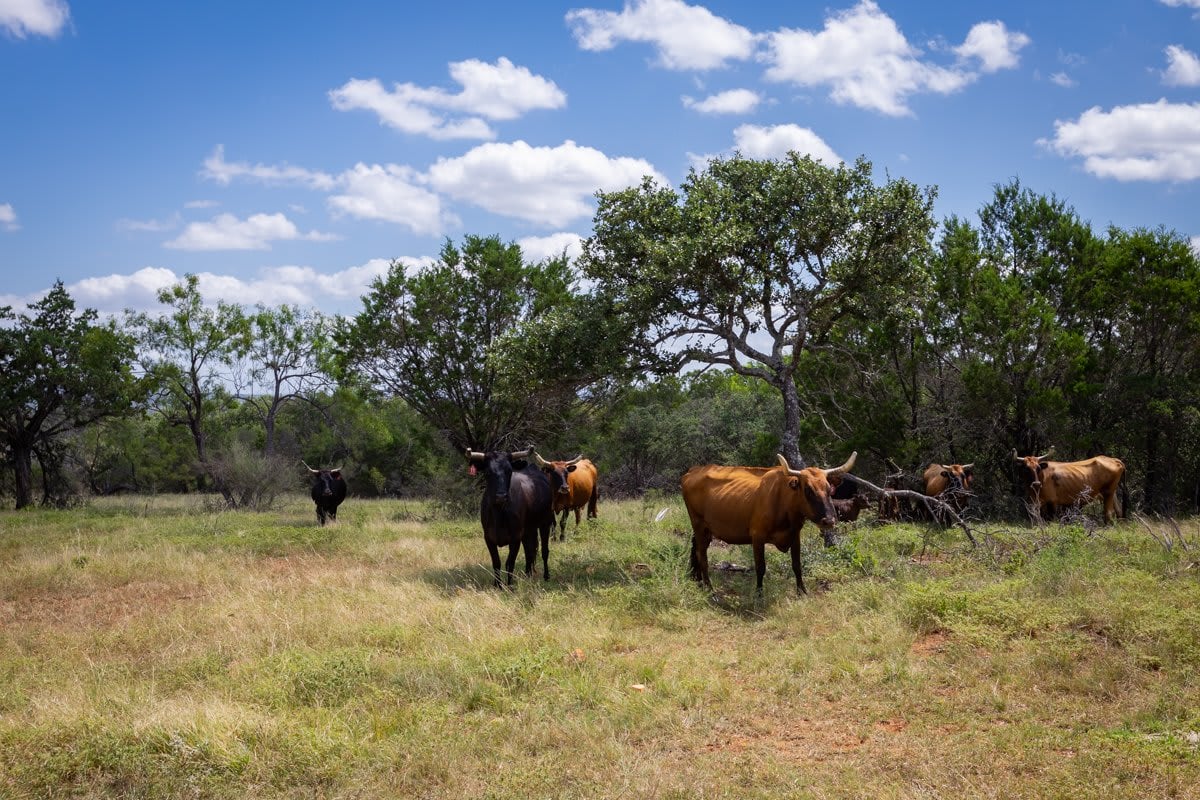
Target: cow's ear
x=547, y=469
x=337, y=473
x=571, y=468
x=945, y=473
x=794, y=482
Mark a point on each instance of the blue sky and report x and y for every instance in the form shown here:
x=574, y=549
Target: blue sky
x=286, y=152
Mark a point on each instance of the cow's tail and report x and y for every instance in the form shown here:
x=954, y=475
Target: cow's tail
x=595, y=496
x=695, y=561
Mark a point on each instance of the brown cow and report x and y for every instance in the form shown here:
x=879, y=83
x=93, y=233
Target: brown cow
x=757, y=506
x=1053, y=485
x=950, y=482
x=848, y=510
x=574, y=485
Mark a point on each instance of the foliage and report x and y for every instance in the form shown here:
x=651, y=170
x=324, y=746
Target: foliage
x=63, y=371
x=757, y=263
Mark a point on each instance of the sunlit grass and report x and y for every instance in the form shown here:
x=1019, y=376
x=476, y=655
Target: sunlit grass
x=151, y=648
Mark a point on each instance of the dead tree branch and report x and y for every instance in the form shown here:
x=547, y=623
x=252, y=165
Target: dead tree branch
x=929, y=502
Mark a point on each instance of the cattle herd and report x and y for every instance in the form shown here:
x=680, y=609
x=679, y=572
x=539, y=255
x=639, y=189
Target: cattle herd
x=738, y=505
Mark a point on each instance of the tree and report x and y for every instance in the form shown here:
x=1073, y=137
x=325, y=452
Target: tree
x=758, y=263
x=62, y=371
x=188, y=352
x=284, y=363
x=433, y=337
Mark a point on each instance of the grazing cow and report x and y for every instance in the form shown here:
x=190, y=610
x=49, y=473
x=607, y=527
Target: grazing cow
x=514, y=510
x=573, y=484
x=757, y=506
x=848, y=510
x=950, y=483
x=328, y=491
x=1054, y=485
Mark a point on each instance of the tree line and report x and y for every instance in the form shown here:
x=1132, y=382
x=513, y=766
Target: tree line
x=762, y=307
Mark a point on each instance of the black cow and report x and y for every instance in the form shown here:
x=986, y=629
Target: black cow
x=515, y=509
x=328, y=492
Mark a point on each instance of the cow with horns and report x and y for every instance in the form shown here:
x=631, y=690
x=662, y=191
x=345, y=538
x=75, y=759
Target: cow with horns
x=758, y=506
x=573, y=485
x=950, y=483
x=1053, y=485
x=515, y=509
x=328, y=491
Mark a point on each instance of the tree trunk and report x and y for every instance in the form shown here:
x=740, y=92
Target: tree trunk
x=23, y=469
x=789, y=439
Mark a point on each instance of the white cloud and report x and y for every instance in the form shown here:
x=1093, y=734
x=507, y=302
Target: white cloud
x=8, y=218
x=549, y=186
x=1147, y=142
x=1181, y=3
x=1183, y=67
x=864, y=59
x=499, y=91
x=994, y=45
x=21, y=18
x=734, y=101
x=216, y=168
x=687, y=37
x=540, y=248
x=227, y=232
x=201, y=204
x=775, y=141
x=391, y=193
x=1196, y=245
x=1062, y=79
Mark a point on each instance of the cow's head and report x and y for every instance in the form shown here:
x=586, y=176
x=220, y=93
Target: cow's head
x=815, y=490
x=958, y=477
x=497, y=468
x=558, y=471
x=1031, y=468
x=324, y=479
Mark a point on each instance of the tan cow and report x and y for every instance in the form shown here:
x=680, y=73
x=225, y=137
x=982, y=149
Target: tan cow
x=951, y=483
x=1054, y=485
x=575, y=485
x=757, y=506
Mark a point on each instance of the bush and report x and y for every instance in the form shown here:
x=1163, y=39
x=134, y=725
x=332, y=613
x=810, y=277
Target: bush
x=255, y=480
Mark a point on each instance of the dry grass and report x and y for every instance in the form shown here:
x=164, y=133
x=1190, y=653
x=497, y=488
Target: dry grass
x=150, y=649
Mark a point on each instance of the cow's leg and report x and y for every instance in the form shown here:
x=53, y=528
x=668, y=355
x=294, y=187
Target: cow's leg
x=797, y=563
x=531, y=549
x=320, y=515
x=495, y=553
x=760, y=565
x=578, y=515
x=545, y=531
x=1110, y=505
x=510, y=563
x=700, y=542
x=562, y=524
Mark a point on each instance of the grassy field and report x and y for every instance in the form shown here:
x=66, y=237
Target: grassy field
x=151, y=649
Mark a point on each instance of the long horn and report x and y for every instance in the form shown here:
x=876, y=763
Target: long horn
x=521, y=453
x=335, y=469
x=1047, y=454
x=1017, y=457
x=968, y=466
x=310, y=469
x=575, y=460
x=541, y=462
x=844, y=468
x=783, y=462
x=473, y=455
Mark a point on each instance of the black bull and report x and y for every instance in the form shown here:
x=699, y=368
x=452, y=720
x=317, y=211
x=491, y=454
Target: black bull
x=328, y=491
x=515, y=510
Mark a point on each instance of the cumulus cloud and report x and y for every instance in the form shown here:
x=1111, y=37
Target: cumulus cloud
x=994, y=45
x=549, y=186
x=775, y=141
x=216, y=168
x=8, y=218
x=499, y=91
x=1196, y=245
x=866, y=61
x=540, y=248
x=1181, y=3
x=686, y=37
x=256, y=232
x=1183, y=67
x=391, y=193
x=22, y=18
x=1146, y=142
x=734, y=101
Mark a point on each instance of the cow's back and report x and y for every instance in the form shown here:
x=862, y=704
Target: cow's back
x=721, y=499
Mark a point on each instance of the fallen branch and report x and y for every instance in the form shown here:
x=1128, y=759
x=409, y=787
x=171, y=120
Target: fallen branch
x=929, y=502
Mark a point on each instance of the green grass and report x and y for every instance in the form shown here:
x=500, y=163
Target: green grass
x=152, y=649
